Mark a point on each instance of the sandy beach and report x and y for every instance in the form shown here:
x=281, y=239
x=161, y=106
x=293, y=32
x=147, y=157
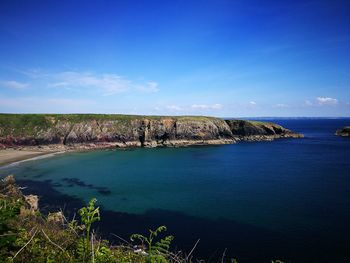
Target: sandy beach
x=8, y=156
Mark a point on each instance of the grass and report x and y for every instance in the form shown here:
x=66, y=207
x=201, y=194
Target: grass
x=257, y=122
x=29, y=124
x=21, y=124
x=43, y=118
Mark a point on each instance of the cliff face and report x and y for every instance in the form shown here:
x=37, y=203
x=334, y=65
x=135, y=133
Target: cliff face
x=131, y=130
x=251, y=128
x=345, y=132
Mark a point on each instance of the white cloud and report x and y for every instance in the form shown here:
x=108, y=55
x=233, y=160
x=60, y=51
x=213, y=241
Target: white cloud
x=199, y=106
x=191, y=109
x=322, y=101
x=253, y=103
x=281, y=105
x=174, y=108
x=150, y=86
x=207, y=107
x=46, y=105
x=107, y=84
x=32, y=73
x=12, y=84
x=217, y=106
x=326, y=101
x=308, y=103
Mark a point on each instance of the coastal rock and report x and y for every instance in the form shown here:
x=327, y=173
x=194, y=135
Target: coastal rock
x=8, y=180
x=32, y=201
x=31, y=205
x=344, y=132
x=88, y=131
x=57, y=218
x=249, y=128
x=9, y=189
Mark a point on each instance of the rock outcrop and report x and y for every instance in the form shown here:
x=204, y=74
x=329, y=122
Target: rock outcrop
x=344, y=132
x=256, y=130
x=91, y=131
x=9, y=189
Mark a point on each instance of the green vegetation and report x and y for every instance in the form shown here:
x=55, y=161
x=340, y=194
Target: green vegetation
x=157, y=252
x=43, y=119
x=26, y=235
x=88, y=215
x=258, y=123
x=21, y=124
x=29, y=124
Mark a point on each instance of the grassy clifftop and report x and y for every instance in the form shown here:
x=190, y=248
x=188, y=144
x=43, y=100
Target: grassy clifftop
x=27, y=124
x=83, y=117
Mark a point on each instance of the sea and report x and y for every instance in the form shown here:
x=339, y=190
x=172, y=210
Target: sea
x=287, y=199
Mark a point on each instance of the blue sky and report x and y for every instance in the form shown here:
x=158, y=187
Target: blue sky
x=218, y=58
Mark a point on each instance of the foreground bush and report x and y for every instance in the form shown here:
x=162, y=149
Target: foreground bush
x=27, y=236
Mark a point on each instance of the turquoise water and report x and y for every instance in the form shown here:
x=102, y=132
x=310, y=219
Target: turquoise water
x=288, y=198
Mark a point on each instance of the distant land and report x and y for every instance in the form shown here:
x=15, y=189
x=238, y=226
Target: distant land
x=90, y=131
x=288, y=118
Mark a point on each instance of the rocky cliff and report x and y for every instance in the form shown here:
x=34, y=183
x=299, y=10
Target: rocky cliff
x=124, y=130
x=345, y=132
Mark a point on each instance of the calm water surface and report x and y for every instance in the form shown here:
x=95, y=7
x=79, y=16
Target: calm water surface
x=287, y=199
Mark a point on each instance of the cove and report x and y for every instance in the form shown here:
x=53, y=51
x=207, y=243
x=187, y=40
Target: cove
x=286, y=199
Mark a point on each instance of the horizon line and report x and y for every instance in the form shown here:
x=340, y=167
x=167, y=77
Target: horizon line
x=188, y=115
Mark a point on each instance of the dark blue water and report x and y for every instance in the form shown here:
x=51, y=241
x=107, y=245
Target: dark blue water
x=287, y=199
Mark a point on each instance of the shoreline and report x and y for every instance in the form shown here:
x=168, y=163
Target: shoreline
x=17, y=154
x=13, y=156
